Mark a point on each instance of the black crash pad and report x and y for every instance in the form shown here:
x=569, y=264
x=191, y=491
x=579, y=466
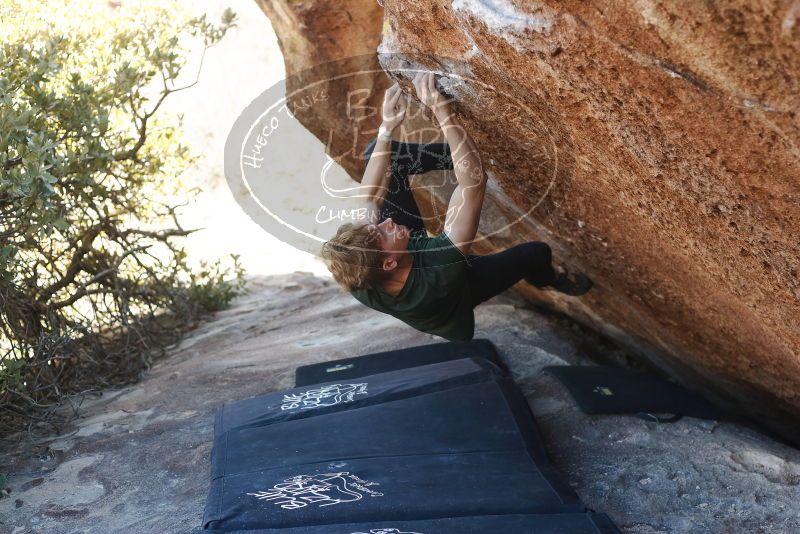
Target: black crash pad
x=603, y=389
x=458, y=451
x=488, y=416
x=318, y=399
x=586, y=523
x=428, y=443
x=383, y=489
x=393, y=360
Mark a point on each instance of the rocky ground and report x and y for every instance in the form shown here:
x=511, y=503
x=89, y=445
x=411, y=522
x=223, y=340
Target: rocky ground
x=138, y=461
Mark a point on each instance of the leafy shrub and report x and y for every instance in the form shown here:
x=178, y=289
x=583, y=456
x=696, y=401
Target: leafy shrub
x=93, y=280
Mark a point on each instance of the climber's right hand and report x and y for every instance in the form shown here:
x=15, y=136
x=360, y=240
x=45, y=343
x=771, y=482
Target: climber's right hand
x=394, y=106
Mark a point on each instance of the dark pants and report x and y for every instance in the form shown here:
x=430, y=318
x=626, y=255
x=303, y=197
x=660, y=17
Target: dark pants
x=409, y=158
x=487, y=275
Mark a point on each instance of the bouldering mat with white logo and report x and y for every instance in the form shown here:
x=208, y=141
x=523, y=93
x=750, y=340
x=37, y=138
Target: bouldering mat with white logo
x=330, y=397
x=383, y=489
x=491, y=524
x=412, y=446
x=393, y=360
x=487, y=416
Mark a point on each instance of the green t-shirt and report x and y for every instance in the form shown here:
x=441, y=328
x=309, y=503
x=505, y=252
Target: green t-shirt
x=436, y=297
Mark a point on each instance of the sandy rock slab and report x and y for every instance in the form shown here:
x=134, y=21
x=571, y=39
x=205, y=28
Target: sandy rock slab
x=138, y=461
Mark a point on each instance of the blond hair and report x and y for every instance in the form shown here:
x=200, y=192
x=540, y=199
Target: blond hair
x=354, y=257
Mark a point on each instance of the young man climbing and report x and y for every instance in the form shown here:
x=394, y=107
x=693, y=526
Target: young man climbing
x=388, y=262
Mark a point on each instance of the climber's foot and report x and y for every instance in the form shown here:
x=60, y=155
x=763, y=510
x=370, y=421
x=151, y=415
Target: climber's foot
x=572, y=284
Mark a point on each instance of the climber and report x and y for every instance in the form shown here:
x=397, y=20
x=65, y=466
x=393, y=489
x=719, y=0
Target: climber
x=386, y=259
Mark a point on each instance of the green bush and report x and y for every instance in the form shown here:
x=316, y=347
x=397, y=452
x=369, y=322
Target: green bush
x=93, y=279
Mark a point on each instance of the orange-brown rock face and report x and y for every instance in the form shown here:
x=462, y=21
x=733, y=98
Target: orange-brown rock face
x=655, y=145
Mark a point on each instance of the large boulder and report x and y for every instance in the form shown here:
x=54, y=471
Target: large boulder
x=654, y=146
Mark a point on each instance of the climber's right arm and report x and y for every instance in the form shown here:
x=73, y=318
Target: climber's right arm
x=464, y=210
x=375, y=181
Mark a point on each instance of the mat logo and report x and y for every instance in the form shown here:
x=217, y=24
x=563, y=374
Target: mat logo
x=386, y=531
x=322, y=490
x=329, y=395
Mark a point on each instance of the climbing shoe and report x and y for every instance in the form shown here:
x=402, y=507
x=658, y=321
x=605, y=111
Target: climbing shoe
x=572, y=284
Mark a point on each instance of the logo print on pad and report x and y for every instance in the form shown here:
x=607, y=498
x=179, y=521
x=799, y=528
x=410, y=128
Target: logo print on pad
x=322, y=490
x=329, y=395
x=385, y=531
